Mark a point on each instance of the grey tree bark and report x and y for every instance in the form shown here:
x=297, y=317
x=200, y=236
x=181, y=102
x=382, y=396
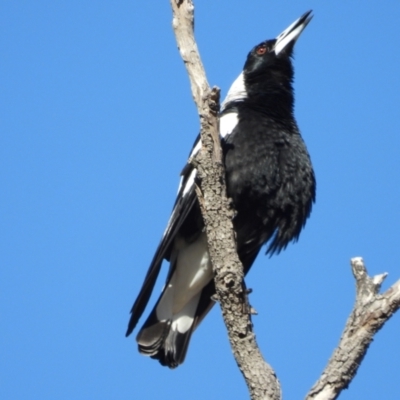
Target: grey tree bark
x=371, y=309
x=217, y=213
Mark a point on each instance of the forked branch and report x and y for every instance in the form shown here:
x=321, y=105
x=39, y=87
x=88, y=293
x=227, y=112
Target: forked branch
x=371, y=311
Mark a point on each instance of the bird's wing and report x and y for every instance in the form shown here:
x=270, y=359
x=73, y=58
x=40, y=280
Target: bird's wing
x=184, y=203
x=185, y=200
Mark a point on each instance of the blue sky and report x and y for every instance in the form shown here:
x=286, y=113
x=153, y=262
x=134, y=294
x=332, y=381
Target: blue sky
x=96, y=123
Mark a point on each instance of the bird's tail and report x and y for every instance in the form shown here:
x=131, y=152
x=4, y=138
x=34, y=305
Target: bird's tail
x=165, y=336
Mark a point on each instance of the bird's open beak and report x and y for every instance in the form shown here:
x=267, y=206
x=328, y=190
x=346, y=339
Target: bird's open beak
x=286, y=40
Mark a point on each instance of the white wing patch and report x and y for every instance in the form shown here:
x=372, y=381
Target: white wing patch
x=196, y=148
x=189, y=182
x=227, y=123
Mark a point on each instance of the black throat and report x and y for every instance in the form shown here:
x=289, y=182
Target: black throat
x=270, y=90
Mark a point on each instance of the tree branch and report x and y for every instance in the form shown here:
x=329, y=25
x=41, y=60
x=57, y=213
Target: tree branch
x=371, y=311
x=217, y=214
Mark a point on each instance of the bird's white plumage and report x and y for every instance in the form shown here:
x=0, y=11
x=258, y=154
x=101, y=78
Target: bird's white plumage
x=227, y=123
x=236, y=92
x=192, y=272
x=183, y=320
x=193, y=268
x=196, y=148
x=189, y=182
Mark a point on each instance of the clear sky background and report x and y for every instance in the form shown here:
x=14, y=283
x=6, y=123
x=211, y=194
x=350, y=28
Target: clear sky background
x=96, y=123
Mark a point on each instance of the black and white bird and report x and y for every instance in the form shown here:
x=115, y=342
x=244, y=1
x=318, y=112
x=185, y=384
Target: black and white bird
x=270, y=180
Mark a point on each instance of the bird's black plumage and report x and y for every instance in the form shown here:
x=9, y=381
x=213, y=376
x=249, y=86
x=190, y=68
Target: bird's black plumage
x=270, y=179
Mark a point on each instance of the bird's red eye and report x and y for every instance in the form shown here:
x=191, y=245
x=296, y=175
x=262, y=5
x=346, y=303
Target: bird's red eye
x=261, y=50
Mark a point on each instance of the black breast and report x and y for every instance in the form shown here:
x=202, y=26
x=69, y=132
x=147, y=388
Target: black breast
x=270, y=180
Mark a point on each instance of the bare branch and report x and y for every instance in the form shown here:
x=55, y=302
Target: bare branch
x=371, y=311
x=217, y=214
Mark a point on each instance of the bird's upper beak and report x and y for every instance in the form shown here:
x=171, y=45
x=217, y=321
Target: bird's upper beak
x=286, y=40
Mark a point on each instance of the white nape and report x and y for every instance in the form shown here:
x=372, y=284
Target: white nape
x=236, y=92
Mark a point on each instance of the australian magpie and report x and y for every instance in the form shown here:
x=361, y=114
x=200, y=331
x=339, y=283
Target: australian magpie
x=270, y=180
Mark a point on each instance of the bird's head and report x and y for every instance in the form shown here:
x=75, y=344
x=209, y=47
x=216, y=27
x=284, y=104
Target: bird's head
x=270, y=61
